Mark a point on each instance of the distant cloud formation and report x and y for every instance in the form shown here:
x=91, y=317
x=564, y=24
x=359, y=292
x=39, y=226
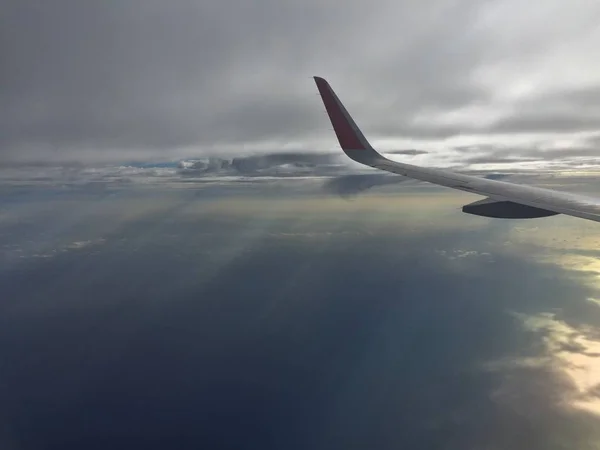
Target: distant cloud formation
x=309, y=173
x=270, y=164
x=188, y=78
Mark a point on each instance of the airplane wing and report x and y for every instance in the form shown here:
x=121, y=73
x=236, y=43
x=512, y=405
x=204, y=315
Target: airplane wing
x=503, y=199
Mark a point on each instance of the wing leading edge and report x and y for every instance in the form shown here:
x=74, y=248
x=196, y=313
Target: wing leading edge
x=505, y=200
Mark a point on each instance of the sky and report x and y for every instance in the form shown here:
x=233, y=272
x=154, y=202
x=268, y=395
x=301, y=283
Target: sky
x=471, y=81
x=188, y=260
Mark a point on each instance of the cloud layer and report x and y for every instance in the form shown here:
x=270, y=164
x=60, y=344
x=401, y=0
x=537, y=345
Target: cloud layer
x=166, y=318
x=187, y=77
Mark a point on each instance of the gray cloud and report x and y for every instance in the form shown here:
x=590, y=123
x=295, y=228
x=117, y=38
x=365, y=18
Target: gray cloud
x=83, y=81
x=411, y=152
x=501, y=154
x=541, y=121
x=272, y=164
x=135, y=73
x=260, y=168
x=571, y=109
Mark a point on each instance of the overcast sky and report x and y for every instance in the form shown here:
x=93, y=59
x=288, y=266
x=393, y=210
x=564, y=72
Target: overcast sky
x=148, y=78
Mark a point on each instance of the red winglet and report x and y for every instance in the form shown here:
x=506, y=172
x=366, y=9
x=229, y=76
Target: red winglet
x=348, y=134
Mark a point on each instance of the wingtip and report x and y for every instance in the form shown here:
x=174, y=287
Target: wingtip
x=349, y=135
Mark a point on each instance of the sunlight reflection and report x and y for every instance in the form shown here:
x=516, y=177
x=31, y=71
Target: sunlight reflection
x=576, y=352
x=574, y=246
